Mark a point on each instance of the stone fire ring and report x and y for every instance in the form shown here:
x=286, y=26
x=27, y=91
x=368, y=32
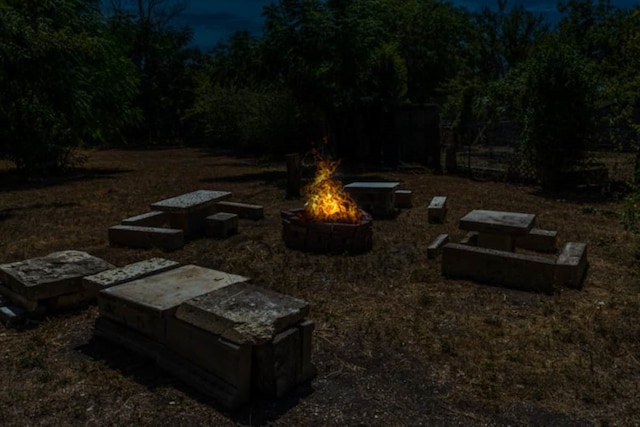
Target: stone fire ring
x=326, y=236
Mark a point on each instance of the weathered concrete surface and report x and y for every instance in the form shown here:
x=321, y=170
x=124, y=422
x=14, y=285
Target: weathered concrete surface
x=538, y=240
x=376, y=198
x=133, y=236
x=499, y=268
x=243, y=210
x=501, y=242
x=221, y=224
x=471, y=238
x=20, y=300
x=497, y=222
x=56, y=274
x=144, y=304
x=108, y=278
x=190, y=201
x=243, y=313
x=572, y=265
x=435, y=247
x=148, y=219
x=437, y=210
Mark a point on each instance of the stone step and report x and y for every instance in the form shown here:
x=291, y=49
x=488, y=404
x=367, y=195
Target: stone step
x=538, y=240
x=499, y=268
x=403, y=199
x=221, y=224
x=437, y=210
x=133, y=236
x=243, y=210
x=117, y=276
x=148, y=219
x=572, y=265
x=435, y=247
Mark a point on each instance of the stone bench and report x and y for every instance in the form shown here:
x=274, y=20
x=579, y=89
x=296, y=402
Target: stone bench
x=437, y=210
x=538, y=240
x=133, y=236
x=243, y=210
x=501, y=268
x=375, y=198
x=221, y=224
x=434, y=249
x=403, y=199
x=572, y=265
x=148, y=219
x=117, y=276
x=471, y=239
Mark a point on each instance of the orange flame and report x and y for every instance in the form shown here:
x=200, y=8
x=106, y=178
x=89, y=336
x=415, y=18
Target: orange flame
x=326, y=200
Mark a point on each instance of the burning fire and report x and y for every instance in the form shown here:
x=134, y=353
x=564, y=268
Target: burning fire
x=326, y=201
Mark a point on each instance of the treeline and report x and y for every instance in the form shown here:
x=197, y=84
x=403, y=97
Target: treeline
x=74, y=76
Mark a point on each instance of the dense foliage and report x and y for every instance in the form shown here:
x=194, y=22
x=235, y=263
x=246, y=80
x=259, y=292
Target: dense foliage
x=72, y=75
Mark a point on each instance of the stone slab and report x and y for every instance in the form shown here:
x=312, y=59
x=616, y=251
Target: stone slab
x=499, y=268
x=435, y=247
x=58, y=273
x=376, y=198
x=437, y=210
x=497, y=222
x=372, y=186
x=243, y=210
x=221, y=224
x=108, y=278
x=538, y=240
x=243, y=313
x=572, y=264
x=148, y=219
x=403, y=199
x=144, y=304
x=134, y=236
x=190, y=201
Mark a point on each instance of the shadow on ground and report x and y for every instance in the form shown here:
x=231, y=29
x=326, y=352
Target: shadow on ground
x=12, y=180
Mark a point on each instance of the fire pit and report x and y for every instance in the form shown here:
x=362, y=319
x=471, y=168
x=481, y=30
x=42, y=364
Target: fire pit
x=330, y=220
x=335, y=237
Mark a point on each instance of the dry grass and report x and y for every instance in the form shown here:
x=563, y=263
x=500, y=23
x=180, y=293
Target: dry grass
x=395, y=343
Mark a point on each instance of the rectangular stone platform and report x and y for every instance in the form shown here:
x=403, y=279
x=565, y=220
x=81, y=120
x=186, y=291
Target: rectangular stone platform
x=117, y=276
x=187, y=212
x=243, y=210
x=132, y=236
x=572, y=265
x=144, y=304
x=376, y=198
x=148, y=219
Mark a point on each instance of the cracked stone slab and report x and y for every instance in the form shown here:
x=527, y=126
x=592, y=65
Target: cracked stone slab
x=243, y=313
x=190, y=201
x=50, y=276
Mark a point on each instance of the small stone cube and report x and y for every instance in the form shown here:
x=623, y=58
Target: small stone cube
x=221, y=224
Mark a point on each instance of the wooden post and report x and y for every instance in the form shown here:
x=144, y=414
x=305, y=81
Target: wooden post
x=294, y=175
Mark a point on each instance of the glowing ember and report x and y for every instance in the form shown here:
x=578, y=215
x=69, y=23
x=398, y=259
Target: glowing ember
x=326, y=201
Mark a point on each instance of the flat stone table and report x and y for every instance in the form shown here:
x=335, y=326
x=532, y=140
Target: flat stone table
x=376, y=198
x=187, y=212
x=497, y=229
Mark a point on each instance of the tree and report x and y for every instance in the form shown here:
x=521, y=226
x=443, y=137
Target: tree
x=63, y=82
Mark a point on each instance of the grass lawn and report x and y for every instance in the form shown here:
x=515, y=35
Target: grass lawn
x=395, y=343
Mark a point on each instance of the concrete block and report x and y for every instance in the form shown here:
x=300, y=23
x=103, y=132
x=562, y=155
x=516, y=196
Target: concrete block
x=243, y=313
x=149, y=219
x=538, y=240
x=20, y=300
x=221, y=224
x=571, y=265
x=403, y=199
x=376, y=198
x=224, y=359
x=437, y=210
x=108, y=278
x=144, y=304
x=501, y=242
x=306, y=369
x=499, y=268
x=187, y=212
x=435, y=247
x=243, y=210
x=133, y=236
x=58, y=273
x=497, y=222
x=471, y=239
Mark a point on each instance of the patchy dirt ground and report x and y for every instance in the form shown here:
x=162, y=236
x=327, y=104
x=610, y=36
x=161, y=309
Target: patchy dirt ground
x=395, y=343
